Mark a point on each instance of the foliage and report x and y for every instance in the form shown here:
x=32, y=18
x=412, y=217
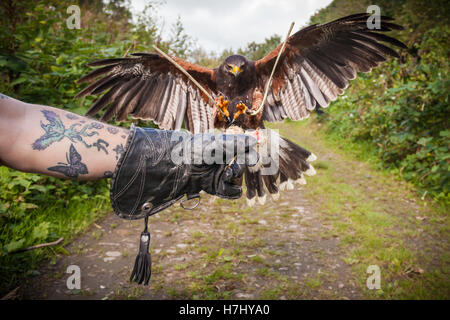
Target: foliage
x=180, y=41
x=36, y=209
x=401, y=108
x=41, y=60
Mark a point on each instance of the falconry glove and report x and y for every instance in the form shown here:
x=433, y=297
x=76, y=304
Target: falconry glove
x=159, y=167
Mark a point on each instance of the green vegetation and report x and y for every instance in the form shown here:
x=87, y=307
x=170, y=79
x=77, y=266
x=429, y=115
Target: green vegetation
x=395, y=118
x=399, y=111
x=376, y=225
x=40, y=61
x=36, y=209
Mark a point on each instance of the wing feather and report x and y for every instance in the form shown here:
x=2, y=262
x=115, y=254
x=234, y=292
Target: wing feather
x=182, y=105
x=144, y=110
x=172, y=107
x=131, y=101
x=147, y=86
x=120, y=99
x=320, y=60
x=166, y=99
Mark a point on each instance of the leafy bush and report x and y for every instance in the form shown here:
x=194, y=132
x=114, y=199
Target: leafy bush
x=401, y=108
x=36, y=209
x=40, y=62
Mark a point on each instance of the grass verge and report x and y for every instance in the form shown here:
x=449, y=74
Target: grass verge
x=42, y=224
x=378, y=218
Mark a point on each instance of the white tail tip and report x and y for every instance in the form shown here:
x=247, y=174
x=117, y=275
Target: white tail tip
x=301, y=181
x=290, y=185
x=251, y=202
x=312, y=157
x=275, y=196
x=311, y=171
x=287, y=185
x=262, y=200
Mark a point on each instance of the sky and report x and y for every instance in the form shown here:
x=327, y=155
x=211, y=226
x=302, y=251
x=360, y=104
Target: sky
x=225, y=24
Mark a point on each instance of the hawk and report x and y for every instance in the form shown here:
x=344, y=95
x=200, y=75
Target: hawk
x=314, y=69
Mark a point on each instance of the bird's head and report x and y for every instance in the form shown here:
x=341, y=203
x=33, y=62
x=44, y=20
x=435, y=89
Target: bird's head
x=235, y=65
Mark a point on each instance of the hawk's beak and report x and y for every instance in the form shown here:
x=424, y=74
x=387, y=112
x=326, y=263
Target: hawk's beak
x=236, y=71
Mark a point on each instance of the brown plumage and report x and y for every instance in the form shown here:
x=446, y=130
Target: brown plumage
x=314, y=69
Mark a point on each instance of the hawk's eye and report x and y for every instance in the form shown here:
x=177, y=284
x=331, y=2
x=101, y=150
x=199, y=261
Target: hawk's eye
x=230, y=66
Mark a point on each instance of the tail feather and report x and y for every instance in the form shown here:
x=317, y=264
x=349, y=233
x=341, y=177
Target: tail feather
x=250, y=182
x=259, y=184
x=293, y=164
x=270, y=181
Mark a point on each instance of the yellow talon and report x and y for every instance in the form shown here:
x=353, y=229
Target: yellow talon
x=241, y=110
x=223, y=105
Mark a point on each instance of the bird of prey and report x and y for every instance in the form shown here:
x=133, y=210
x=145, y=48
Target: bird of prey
x=314, y=69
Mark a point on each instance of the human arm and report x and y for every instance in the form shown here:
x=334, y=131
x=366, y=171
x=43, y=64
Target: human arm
x=55, y=142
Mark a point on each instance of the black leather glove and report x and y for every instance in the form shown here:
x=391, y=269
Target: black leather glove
x=159, y=167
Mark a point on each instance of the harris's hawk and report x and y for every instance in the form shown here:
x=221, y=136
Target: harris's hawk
x=314, y=69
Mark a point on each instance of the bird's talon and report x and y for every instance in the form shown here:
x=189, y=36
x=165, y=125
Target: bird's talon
x=222, y=103
x=242, y=108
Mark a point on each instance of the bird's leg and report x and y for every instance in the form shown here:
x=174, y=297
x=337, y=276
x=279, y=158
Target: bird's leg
x=242, y=108
x=222, y=103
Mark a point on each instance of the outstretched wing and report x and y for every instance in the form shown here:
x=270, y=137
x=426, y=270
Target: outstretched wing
x=147, y=86
x=318, y=63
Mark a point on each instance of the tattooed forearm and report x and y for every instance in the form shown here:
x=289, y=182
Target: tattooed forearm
x=3, y=96
x=73, y=167
x=119, y=149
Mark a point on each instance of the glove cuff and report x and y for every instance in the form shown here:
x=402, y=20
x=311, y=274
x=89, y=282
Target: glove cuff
x=145, y=180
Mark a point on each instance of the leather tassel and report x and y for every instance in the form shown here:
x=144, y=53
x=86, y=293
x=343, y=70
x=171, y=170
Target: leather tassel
x=142, y=270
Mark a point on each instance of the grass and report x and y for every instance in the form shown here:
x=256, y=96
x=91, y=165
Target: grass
x=374, y=230
x=354, y=215
x=69, y=222
x=313, y=283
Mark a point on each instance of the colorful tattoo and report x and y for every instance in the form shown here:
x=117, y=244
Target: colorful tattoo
x=119, y=149
x=73, y=167
x=55, y=131
x=113, y=130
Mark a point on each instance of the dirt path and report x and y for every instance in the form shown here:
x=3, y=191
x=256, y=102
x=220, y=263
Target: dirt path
x=315, y=242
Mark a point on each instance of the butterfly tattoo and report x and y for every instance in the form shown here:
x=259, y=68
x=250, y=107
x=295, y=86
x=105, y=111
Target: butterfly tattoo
x=73, y=167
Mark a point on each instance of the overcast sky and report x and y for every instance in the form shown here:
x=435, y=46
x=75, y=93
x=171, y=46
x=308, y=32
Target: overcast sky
x=219, y=25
